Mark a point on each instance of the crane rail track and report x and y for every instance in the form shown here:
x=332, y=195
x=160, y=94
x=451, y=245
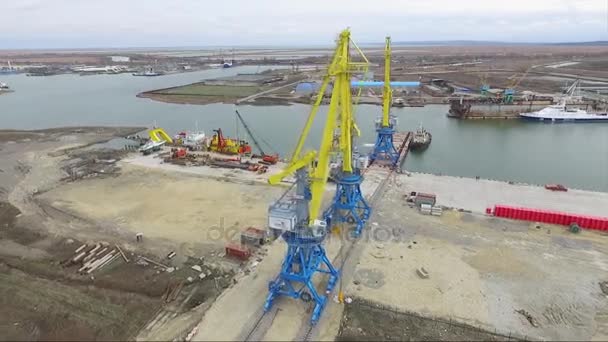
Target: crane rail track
x=309, y=330
x=261, y=325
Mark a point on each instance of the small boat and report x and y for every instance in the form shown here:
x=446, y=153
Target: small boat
x=398, y=102
x=148, y=73
x=151, y=146
x=561, y=112
x=4, y=86
x=190, y=140
x=421, y=140
x=8, y=70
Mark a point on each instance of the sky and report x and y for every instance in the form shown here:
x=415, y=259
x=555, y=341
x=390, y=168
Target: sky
x=167, y=23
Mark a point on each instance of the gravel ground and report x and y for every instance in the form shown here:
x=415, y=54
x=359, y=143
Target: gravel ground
x=477, y=195
x=483, y=270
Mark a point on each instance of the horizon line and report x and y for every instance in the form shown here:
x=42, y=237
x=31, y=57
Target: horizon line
x=457, y=42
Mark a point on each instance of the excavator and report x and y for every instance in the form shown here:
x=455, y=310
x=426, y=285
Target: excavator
x=224, y=145
x=266, y=158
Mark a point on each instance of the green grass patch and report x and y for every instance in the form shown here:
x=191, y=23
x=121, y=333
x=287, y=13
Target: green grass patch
x=198, y=89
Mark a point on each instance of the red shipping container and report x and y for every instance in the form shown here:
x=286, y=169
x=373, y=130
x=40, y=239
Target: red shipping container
x=544, y=216
x=535, y=215
x=549, y=216
x=598, y=223
x=515, y=213
x=237, y=251
x=526, y=214
x=558, y=217
x=510, y=212
x=580, y=219
x=595, y=223
x=554, y=218
x=519, y=214
x=532, y=214
x=506, y=212
x=563, y=220
x=570, y=219
x=604, y=224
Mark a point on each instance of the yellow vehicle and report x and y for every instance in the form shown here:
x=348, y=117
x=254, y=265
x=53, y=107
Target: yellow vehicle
x=224, y=145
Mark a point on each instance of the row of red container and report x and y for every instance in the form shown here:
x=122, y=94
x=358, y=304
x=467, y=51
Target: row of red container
x=552, y=217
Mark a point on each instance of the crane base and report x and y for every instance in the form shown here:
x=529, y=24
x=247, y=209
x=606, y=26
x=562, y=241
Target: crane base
x=384, y=149
x=304, y=259
x=349, y=205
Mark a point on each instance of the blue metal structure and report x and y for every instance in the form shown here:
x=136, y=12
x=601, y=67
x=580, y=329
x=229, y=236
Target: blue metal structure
x=378, y=84
x=508, y=98
x=349, y=205
x=305, y=255
x=384, y=150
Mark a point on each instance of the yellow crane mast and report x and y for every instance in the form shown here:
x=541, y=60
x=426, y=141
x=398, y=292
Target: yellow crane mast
x=387, y=92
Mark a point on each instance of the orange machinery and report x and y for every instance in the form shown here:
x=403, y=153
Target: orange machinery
x=224, y=145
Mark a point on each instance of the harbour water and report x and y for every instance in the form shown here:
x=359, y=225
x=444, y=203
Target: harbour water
x=575, y=155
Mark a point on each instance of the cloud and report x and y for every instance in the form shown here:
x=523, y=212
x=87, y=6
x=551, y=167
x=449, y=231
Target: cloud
x=91, y=23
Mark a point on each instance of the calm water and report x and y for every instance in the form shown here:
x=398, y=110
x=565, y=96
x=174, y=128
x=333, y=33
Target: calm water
x=573, y=154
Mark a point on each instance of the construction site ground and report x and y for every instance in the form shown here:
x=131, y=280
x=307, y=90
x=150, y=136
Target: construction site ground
x=58, y=192
x=40, y=299
x=186, y=213
x=482, y=270
x=155, y=162
x=514, y=278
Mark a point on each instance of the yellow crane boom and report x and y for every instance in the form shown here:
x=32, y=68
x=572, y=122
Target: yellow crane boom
x=339, y=115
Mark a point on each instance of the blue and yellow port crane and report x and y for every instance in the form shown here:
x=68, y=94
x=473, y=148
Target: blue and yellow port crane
x=297, y=216
x=384, y=149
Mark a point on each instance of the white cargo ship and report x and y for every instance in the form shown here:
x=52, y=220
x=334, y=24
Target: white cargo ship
x=561, y=113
